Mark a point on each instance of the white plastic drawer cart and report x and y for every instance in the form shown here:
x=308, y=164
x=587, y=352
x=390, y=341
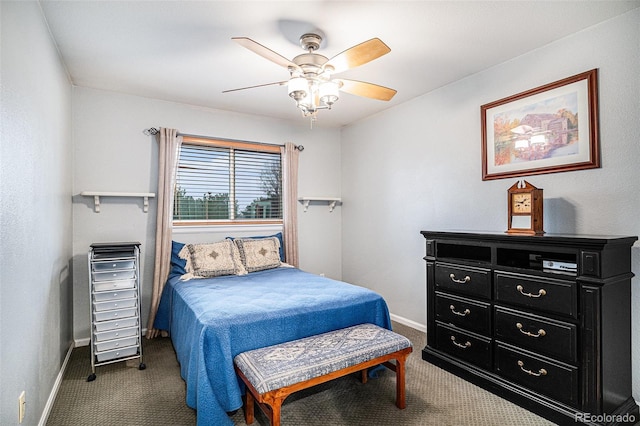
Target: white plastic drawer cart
x=114, y=289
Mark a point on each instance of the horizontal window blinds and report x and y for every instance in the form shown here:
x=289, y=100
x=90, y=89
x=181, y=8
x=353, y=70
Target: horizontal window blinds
x=234, y=183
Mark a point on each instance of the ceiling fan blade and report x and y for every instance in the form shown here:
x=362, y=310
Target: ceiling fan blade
x=279, y=83
x=368, y=90
x=265, y=52
x=358, y=55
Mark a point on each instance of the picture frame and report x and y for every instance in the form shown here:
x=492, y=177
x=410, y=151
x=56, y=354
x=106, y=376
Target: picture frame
x=548, y=129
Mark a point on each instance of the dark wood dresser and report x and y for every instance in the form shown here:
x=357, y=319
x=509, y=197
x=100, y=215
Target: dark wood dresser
x=543, y=321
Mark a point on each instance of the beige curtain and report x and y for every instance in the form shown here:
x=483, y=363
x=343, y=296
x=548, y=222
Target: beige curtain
x=290, y=155
x=168, y=146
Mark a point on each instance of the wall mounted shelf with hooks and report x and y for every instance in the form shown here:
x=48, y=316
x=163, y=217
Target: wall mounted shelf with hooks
x=332, y=201
x=96, y=197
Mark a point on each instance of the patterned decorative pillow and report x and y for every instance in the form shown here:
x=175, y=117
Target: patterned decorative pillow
x=259, y=254
x=215, y=259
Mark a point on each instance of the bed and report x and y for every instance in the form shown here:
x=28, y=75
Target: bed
x=212, y=319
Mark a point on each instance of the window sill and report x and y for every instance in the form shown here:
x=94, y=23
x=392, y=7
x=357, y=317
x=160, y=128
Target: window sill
x=203, y=229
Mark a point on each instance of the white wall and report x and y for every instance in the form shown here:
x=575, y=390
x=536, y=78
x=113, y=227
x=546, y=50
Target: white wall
x=112, y=154
x=418, y=167
x=35, y=212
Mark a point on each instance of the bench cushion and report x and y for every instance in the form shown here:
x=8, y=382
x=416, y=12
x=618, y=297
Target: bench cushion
x=277, y=366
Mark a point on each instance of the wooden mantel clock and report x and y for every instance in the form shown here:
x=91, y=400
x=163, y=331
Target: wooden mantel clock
x=524, y=209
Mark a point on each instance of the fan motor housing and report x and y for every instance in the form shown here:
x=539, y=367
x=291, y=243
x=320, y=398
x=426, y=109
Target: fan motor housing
x=310, y=41
x=310, y=62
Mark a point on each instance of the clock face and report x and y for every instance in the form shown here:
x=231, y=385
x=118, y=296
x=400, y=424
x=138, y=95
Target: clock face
x=521, y=203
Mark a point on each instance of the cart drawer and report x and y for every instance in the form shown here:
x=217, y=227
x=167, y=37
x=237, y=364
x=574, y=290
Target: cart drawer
x=118, y=313
x=116, y=324
x=114, y=304
x=113, y=295
x=112, y=265
x=116, y=353
x=116, y=334
x=114, y=275
x=114, y=285
x=116, y=343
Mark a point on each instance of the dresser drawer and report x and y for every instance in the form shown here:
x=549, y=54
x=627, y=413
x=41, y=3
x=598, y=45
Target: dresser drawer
x=108, y=345
x=114, y=275
x=114, y=295
x=115, y=334
x=114, y=285
x=116, y=324
x=464, y=313
x=114, y=304
x=463, y=279
x=465, y=346
x=556, y=339
x=119, y=313
x=537, y=293
x=550, y=378
x=116, y=353
x=113, y=265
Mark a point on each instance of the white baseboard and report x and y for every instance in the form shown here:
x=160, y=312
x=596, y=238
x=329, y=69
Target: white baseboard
x=54, y=391
x=82, y=342
x=408, y=322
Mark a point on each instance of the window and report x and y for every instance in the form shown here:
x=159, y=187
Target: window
x=227, y=182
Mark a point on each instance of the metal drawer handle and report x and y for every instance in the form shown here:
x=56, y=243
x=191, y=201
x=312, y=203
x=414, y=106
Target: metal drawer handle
x=541, y=332
x=462, y=314
x=460, y=345
x=541, y=292
x=541, y=372
x=464, y=281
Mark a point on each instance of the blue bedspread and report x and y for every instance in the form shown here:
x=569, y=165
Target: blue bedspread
x=212, y=320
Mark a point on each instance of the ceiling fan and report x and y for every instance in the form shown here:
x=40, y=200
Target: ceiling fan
x=311, y=83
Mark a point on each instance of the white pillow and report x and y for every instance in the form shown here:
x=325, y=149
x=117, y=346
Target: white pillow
x=215, y=259
x=258, y=254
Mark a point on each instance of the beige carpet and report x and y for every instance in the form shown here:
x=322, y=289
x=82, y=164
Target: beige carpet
x=123, y=395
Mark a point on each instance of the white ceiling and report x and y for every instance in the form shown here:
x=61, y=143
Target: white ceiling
x=182, y=51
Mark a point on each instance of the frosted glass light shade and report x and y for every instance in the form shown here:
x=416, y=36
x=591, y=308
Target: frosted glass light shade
x=298, y=88
x=329, y=92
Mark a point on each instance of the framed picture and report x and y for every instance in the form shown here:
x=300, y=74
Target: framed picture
x=552, y=128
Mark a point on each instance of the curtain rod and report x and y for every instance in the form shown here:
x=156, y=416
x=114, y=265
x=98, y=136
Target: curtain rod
x=153, y=131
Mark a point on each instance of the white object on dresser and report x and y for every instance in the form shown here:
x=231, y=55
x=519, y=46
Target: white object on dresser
x=114, y=292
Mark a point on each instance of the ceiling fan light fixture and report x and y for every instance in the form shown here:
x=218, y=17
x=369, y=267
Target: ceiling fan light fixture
x=329, y=92
x=298, y=88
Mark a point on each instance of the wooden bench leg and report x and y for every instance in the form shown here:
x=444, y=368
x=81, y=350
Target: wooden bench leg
x=248, y=409
x=400, y=388
x=272, y=405
x=275, y=413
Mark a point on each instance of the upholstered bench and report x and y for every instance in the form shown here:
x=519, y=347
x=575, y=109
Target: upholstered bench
x=273, y=373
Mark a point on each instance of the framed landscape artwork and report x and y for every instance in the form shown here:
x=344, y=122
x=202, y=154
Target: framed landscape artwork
x=552, y=128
